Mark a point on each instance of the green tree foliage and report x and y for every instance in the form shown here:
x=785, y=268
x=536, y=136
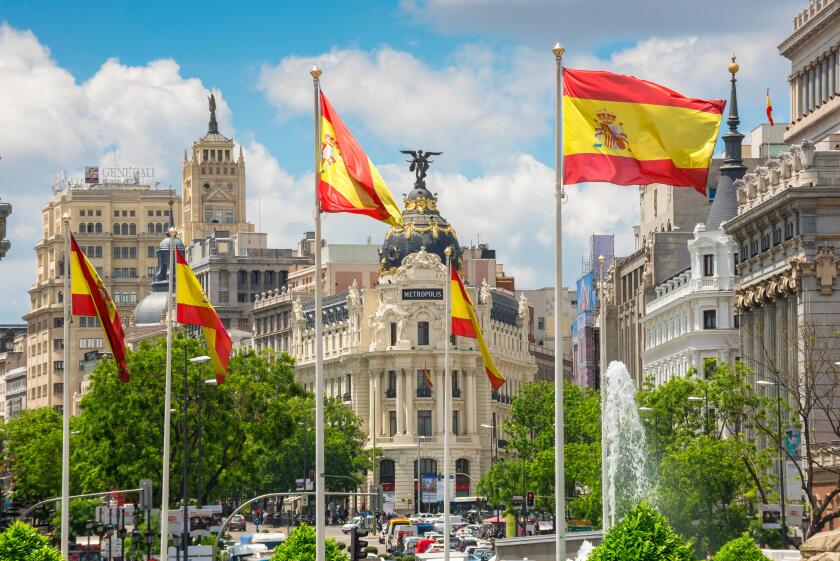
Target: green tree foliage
x=531, y=437
x=33, y=451
x=642, y=535
x=21, y=542
x=81, y=510
x=301, y=547
x=740, y=549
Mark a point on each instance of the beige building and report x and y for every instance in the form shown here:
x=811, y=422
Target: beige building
x=12, y=358
x=118, y=226
x=213, y=185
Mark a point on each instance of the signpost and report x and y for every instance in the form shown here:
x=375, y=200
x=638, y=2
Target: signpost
x=516, y=502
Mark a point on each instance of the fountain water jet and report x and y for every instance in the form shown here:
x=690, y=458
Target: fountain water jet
x=625, y=461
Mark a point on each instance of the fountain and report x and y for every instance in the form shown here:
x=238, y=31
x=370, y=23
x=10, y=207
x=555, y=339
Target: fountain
x=625, y=461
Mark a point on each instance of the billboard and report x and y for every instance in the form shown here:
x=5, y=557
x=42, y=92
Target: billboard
x=587, y=298
x=771, y=517
x=92, y=174
x=428, y=488
x=202, y=521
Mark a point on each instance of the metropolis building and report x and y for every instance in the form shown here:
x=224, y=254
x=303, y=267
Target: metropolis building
x=378, y=340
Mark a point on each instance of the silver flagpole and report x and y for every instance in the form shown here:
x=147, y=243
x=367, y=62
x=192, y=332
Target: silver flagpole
x=605, y=508
x=559, y=432
x=447, y=392
x=320, y=522
x=167, y=404
x=65, y=428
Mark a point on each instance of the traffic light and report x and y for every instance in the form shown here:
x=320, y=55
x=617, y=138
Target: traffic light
x=357, y=546
x=530, y=500
x=145, y=502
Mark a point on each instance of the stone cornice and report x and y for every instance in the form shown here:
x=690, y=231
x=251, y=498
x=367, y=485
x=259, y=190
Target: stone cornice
x=817, y=16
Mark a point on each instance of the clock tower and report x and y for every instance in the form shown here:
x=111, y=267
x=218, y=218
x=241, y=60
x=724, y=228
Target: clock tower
x=213, y=186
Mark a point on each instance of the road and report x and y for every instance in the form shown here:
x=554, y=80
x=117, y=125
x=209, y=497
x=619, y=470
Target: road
x=332, y=532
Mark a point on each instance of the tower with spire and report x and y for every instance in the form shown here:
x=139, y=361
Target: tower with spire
x=213, y=185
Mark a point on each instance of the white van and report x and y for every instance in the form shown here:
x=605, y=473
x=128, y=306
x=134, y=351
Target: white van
x=250, y=552
x=269, y=539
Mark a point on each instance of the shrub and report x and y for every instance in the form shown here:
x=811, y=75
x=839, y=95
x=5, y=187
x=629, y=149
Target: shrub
x=642, y=535
x=740, y=549
x=301, y=547
x=342, y=546
x=372, y=549
x=22, y=542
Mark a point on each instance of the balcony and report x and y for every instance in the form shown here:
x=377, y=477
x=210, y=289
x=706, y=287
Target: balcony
x=495, y=396
x=346, y=397
x=391, y=393
x=424, y=392
x=456, y=392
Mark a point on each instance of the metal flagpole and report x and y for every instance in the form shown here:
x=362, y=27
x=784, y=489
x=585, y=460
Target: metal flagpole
x=65, y=428
x=447, y=413
x=320, y=525
x=605, y=522
x=559, y=432
x=167, y=403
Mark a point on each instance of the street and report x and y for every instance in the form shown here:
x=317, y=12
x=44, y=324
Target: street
x=332, y=532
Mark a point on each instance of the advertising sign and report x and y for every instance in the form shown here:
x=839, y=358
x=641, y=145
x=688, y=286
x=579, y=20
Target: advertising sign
x=202, y=521
x=440, y=489
x=794, y=514
x=793, y=482
x=117, y=515
x=428, y=488
x=92, y=174
x=793, y=439
x=586, y=296
x=771, y=517
x=389, y=502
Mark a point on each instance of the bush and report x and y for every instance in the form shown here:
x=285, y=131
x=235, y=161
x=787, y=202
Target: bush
x=372, y=549
x=642, y=535
x=22, y=542
x=342, y=546
x=301, y=547
x=740, y=549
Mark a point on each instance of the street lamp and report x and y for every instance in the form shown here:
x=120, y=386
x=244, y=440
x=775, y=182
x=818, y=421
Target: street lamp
x=766, y=383
x=705, y=401
x=89, y=528
x=135, y=541
x=148, y=536
x=198, y=480
x=494, y=442
x=185, y=533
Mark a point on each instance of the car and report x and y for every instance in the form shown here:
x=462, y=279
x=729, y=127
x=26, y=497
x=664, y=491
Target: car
x=356, y=522
x=423, y=517
x=236, y=523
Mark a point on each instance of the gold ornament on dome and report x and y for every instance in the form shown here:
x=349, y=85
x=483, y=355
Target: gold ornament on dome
x=421, y=205
x=410, y=227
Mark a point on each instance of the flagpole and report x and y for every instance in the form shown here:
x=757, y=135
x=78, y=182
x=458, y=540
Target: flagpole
x=65, y=427
x=320, y=523
x=559, y=432
x=447, y=392
x=167, y=404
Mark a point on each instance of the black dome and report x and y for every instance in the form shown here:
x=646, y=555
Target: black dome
x=423, y=226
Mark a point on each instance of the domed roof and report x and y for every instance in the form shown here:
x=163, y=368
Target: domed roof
x=151, y=309
x=165, y=242
x=423, y=226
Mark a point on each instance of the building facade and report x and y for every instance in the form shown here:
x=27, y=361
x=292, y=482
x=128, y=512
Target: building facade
x=213, y=186
x=118, y=226
x=5, y=211
x=12, y=356
x=813, y=49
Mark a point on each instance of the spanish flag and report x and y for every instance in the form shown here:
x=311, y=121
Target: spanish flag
x=427, y=375
x=349, y=182
x=90, y=298
x=622, y=130
x=769, y=107
x=195, y=309
x=465, y=324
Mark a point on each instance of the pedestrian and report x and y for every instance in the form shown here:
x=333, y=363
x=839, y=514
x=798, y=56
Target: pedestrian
x=257, y=521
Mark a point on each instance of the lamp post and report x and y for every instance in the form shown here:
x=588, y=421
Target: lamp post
x=89, y=528
x=149, y=536
x=198, y=474
x=783, y=528
x=494, y=442
x=121, y=532
x=185, y=532
x=135, y=541
x=602, y=389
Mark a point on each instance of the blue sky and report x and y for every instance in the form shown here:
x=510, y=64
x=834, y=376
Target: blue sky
x=470, y=77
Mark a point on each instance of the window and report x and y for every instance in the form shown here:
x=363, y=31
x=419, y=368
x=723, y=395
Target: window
x=229, y=216
x=709, y=319
x=125, y=213
x=393, y=333
x=208, y=215
x=709, y=366
x=58, y=365
x=58, y=323
x=255, y=278
x=541, y=323
x=151, y=213
x=268, y=278
x=788, y=230
x=58, y=388
x=150, y=251
x=150, y=272
x=241, y=277
x=422, y=332
x=116, y=213
x=133, y=229
x=424, y=388
x=424, y=422
x=456, y=425
x=223, y=279
x=736, y=321
x=708, y=265
x=392, y=423
x=242, y=298
x=82, y=212
x=777, y=236
x=391, y=390
x=58, y=344
x=93, y=321
x=387, y=471
x=223, y=297
x=456, y=390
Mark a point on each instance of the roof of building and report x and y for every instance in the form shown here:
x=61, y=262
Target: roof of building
x=334, y=309
x=505, y=308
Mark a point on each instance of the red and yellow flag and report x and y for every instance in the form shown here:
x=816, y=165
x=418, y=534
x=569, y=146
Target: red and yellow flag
x=622, y=130
x=427, y=375
x=195, y=309
x=465, y=324
x=349, y=181
x=769, y=107
x=90, y=298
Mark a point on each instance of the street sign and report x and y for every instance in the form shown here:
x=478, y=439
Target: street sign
x=516, y=502
x=793, y=482
x=299, y=485
x=794, y=514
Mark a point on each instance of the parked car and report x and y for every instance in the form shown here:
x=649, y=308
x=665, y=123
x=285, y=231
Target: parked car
x=236, y=523
x=356, y=522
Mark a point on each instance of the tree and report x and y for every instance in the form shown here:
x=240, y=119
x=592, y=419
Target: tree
x=301, y=547
x=740, y=549
x=33, y=443
x=642, y=535
x=21, y=542
x=81, y=510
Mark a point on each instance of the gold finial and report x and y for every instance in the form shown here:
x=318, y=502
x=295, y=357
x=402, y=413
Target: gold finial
x=65, y=218
x=559, y=50
x=171, y=232
x=448, y=251
x=316, y=72
x=733, y=66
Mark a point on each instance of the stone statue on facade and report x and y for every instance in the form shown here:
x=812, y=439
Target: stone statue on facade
x=297, y=310
x=354, y=297
x=523, y=306
x=420, y=163
x=484, y=292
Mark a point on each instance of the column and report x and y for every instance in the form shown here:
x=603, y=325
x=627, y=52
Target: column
x=439, y=393
x=800, y=95
x=472, y=402
x=794, y=98
x=400, y=402
x=832, y=77
x=836, y=72
x=825, y=79
x=811, y=77
x=382, y=417
x=818, y=84
x=372, y=403
x=410, y=415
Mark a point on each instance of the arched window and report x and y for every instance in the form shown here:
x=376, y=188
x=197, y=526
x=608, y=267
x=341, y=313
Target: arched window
x=133, y=229
x=150, y=228
x=387, y=473
x=117, y=298
x=116, y=229
x=90, y=227
x=133, y=297
x=427, y=466
x=462, y=477
x=99, y=227
x=158, y=228
x=82, y=228
x=124, y=229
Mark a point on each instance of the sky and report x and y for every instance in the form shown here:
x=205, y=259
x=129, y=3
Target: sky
x=94, y=83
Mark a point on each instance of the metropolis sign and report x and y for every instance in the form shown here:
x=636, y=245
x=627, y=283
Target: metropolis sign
x=422, y=294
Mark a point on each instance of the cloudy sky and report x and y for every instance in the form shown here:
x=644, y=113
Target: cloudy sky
x=102, y=82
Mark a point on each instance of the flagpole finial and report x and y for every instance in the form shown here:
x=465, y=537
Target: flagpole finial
x=171, y=232
x=733, y=66
x=559, y=50
x=448, y=251
x=66, y=218
x=316, y=72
